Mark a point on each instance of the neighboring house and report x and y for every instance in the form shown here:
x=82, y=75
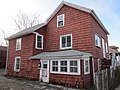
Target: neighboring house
x=114, y=55
x=66, y=49
x=3, y=53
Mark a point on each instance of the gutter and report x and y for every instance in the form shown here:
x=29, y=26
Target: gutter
x=6, y=59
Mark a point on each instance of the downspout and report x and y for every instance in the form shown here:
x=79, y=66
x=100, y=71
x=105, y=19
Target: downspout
x=6, y=59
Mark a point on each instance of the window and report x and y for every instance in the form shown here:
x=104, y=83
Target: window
x=18, y=44
x=73, y=66
x=66, y=41
x=63, y=66
x=106, y=48
x=60, y=20
x=39, y=41
x=99, y=64
x=103, y=46
x=67, y=66
x=97, y=40
x=17, y=64
x=86, y=66
x=54, y=65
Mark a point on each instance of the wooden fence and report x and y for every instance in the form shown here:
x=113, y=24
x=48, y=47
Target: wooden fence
x=107, y=79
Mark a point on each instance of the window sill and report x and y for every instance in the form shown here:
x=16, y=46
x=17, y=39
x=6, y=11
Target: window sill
x=66, y=48
x=66, y=73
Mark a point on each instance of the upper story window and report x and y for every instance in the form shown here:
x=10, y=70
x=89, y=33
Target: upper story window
x=66, y=41
x=86, y=66
x=39, y=41
x=60, y=20
x=18, y=44
x=17, y=64
x=97, y=40
x=103, y=47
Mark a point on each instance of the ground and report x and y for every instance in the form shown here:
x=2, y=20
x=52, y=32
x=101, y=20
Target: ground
x=15, y=83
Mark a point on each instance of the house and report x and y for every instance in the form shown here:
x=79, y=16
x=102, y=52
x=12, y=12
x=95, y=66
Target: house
x=66, y=49
x=3, y=52
x=114, y=55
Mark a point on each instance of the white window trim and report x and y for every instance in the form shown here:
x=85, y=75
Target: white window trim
x=103, y=47
x=98, y=39
x=17, y=40
x=99, y=64
x=68, y=67
x=63, y=20
x=36, y=41
x=61, y=41
x=87, y=59
x=17, y=70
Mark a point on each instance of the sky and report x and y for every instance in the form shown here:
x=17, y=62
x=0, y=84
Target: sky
x=108, y=12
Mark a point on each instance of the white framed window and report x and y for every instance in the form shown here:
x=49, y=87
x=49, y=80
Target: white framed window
x=65, y=66
x=86, y=66
x=103, y=47
x=97, y=40
x=73, y=66
x=106, y=47
x=39, y=41
x=60, y=20
x=66, y=41
x=18, y=44
x=55, y=66
x=99, y=64
x=17, y=64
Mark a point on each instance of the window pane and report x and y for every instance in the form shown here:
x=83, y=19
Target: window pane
x=60, y=18
x=63, y=41
x=54, y=62
x=68, y=41
x=54, y=68
x=73, y=63
x=63, y=69
x=64, y=63
x=60, y=23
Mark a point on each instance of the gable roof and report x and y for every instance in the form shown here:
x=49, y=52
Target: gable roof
x=32, y=29
x=61, y=54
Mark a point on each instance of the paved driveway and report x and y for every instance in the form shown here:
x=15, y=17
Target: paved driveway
x=11, y=83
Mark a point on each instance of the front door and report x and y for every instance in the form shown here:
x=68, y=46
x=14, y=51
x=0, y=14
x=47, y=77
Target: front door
x=44, y=71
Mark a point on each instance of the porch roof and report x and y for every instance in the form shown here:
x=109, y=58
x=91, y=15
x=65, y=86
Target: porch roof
x=67, y=54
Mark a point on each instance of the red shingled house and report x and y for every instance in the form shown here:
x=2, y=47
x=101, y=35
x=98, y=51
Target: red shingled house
x=66, y=49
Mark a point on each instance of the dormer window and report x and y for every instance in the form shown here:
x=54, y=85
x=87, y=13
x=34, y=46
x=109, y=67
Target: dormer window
x=39, y=41
x=18, y=44
x=60, y=20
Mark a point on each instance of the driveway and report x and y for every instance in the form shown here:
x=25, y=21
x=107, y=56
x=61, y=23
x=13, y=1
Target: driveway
x=13, y=83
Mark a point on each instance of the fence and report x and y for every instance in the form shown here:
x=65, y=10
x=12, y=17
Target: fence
x=107, y=79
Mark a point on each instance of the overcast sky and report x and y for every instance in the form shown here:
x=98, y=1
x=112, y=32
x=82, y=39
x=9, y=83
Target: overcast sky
x=107, y=10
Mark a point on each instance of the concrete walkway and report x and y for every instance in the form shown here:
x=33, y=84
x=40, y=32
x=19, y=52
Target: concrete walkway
x=12, y=83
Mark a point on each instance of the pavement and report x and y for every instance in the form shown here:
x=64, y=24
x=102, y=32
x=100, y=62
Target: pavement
x=16, y=83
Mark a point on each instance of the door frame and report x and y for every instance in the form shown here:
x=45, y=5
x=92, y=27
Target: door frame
x=41, y=69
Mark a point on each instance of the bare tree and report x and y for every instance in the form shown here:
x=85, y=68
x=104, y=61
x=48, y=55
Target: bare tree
x=23, y=21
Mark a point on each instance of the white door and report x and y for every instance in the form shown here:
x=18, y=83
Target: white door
x=44, y=71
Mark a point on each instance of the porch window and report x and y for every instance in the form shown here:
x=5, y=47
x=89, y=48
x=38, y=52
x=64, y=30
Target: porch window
x=66, y=41
x=63, y=66
x=18, y=44
x=17, y=64
x=39, y=41
x=86, y=66
x=55, y=66
x=73, y=66
x=60, y=20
